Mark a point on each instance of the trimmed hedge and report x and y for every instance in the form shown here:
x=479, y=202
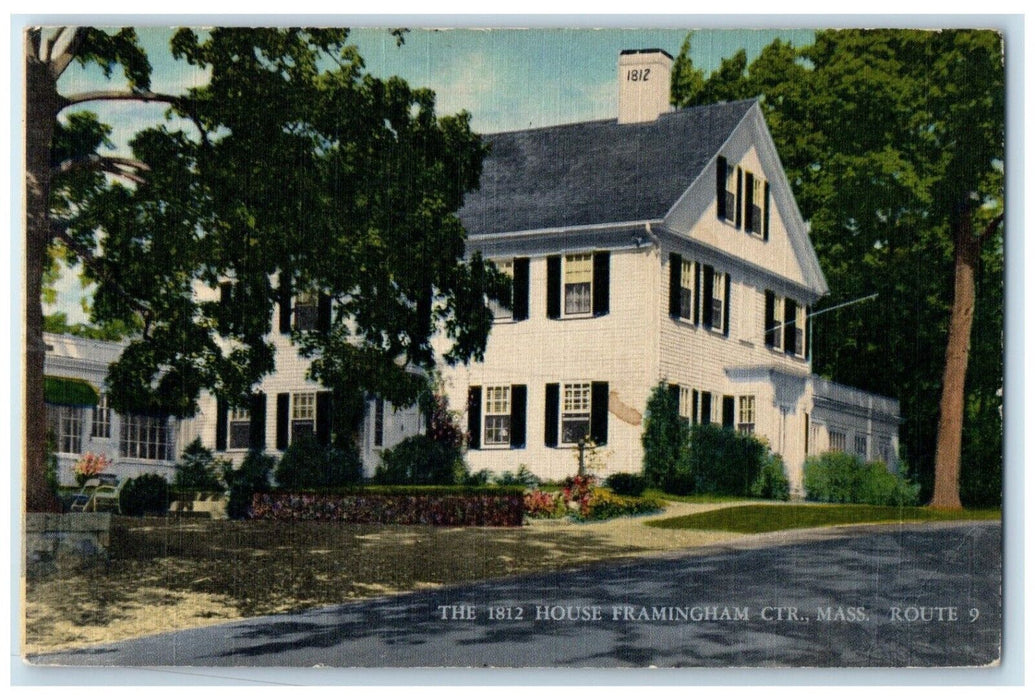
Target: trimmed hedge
x=460, y=507
x=147, y=494
x=725, y=462
x=625, y=484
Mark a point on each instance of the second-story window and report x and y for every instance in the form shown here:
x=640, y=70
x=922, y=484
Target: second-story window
x=715, y=304
x=500, y=312
x=578, y=284
x=306, y=311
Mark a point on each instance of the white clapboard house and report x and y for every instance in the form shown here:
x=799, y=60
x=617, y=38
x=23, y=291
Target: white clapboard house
x=661, y=246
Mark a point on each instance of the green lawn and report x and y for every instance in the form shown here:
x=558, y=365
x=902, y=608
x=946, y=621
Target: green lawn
x=769, y=518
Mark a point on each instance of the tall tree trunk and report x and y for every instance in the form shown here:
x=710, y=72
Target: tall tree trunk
x=957, y=354
x=41, y=106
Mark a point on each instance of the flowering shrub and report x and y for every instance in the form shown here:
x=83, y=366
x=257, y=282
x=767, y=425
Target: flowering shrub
x=541, y=504
x=90, y=465
x=403, y=508
x=577, y=491
x=602, y=504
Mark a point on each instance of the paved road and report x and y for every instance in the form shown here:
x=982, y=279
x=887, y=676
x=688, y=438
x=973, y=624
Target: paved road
x=897, y=596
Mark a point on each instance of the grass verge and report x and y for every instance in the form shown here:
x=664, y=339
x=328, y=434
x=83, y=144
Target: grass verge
x=769, y=518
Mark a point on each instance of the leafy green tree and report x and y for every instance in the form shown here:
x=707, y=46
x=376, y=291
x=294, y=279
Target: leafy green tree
x=291, y=171
x=893, y=141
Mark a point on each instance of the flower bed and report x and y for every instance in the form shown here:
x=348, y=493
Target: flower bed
x=499, y=508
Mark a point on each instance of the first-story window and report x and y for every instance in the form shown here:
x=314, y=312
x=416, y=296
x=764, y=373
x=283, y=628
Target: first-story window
x=144, y=437
x=687, y=404
x=578, y=284
x=101, y=426
x=746, y=422
x=575, y=412
x=838, y=440
x=303, y=415
x=884, y=449
x=861, y=445
x=240, y=428
x=497, y=415
x=66, y=422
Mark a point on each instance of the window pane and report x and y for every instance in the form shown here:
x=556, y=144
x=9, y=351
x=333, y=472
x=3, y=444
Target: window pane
x=300, y=428
x=574, y=428
x=305, y=312
x=497, y=430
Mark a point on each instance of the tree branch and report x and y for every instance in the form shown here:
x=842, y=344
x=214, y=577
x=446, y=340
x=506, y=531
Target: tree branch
x=64, y=58
x=100, y=267
x=991, y=227
x=118, y=95
x=110, y=164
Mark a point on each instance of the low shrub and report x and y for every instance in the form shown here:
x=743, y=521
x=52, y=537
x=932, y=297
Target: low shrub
x=625, y=484
x=420, y=459
x=523, y=477
x=447, y=507
x=604, y=504
x=772, y=481
x=253, y=476
x=198, y=469
x=725, y=462
x=147, y=494
x=839, y=477
x=308, y=464
x=545, y=504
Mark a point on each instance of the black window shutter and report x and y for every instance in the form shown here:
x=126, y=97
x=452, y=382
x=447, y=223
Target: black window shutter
x=518, y=414
x=675, y=273
x=720, y=187
x=323, y=313
x=727, y=411
x=283, y=420
x=695, y=399
x=324, y=417
x=740, y=195
x=697, y=293
x=750, y=225
x=726, y=306
x=601, y=283
x=553, y=400
x=553, y=286
x=598, y=413
x=790, y=313
x=706, y=408
x=808, y=328
x=770, y=318
x=520, y=289
x=221, y=424
x=673, y=390
x=709, y=294
x=765, y=214
x=474, y=417
x=257, y=426
x=285, y=306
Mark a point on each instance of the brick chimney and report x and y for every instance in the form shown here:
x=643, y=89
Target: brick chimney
x=644, y=76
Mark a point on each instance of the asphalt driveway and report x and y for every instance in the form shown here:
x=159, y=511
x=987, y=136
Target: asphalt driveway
x=869, y=596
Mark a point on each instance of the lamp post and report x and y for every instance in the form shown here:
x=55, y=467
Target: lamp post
x=582, y=456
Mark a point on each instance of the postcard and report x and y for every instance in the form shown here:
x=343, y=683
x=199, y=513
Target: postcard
x=513, y=348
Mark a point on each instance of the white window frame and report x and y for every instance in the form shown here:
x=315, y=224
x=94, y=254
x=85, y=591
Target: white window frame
x=686, y=404
x=67, y=424
x=778, y=320
x=499, y=312
x=576, y=407
x=303, y=411
x=757, y=197
x=496, y=408
x=719, y=300
x=100, y=424
x=686, y=290
x=235, y=417
x=746, y=414
x=570, y=260
x=731, y=192
x=145, y=438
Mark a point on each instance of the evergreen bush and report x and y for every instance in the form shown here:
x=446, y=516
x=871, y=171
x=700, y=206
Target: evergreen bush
x=725, y=462
x=839, y=477
x=147, y=494
x=244, y=482
x=625, y=484
x=198, y=469
x=666, y=437
x=308, y=464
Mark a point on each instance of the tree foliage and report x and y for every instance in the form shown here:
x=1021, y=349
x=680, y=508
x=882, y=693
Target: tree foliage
x=893, y=142
x=292, y=168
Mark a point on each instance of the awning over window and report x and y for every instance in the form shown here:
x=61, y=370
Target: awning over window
x=67, y=391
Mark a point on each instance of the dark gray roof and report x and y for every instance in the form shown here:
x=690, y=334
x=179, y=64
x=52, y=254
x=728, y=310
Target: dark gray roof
x=595, y=172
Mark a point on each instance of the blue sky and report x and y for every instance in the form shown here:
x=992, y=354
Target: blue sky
x=506, y=78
